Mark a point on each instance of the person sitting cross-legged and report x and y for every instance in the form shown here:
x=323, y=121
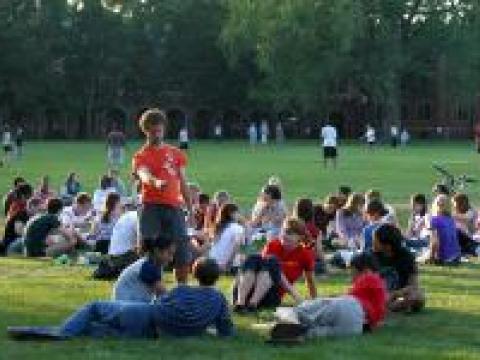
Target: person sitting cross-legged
x=362, y=309
x=264, y=279
x=184, y=311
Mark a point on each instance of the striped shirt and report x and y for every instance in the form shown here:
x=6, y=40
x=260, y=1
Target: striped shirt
x=188, y=311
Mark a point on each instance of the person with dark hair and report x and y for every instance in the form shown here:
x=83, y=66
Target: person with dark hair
x=200, y=211
x=102, y=228
x=417, y=233
x=184, y=311
x=344, y=193
x=17, y=217
x=374, y=214
x=399, y=269
x=71, y=187
x=465, y=217
x=45, y=235
x=330, y=137
x=7, y=143
x=100, y=194
x=349, y=222
x=142, y=280
x=264, y=279
x=44, y=192
x=10, y=196
x=116, y=142
x=362, y=309
x=228, y=237
x=269, y=211
x=165, y=193
x=324, y=216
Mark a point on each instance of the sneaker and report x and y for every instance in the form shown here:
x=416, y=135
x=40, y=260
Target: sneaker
x=34, y=333
x=286, y=315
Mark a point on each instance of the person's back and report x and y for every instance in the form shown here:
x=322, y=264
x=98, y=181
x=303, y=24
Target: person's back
x=449, y=247
x=124, y=234
x=188, y=311
x=329, y=135
x=36, y=233
x=227, y=244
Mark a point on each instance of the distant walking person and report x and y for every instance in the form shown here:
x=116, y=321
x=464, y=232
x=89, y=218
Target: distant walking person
x=116, y=142
x=19, y=134
x=252, y=134
x=161, y=169
x=264, y=132
x=394, y=136
x=7, y=144
x=405, y=138
x=329, y=136
x=183, y=138
x=279, y=134
x=477, y=136
x=218, y=132
x=370, y=136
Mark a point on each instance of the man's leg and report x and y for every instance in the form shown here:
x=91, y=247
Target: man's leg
x=81, y=322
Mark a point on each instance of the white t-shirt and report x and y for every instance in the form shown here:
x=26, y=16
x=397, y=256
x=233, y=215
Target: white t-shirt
x=124, y=234
x=329, y=135
x=7, y=138
x=183, y=136
x=218, y=130
x=370, y=135
x=394, y=131
x=99, y=197
x=69, y=218
x=226, y=247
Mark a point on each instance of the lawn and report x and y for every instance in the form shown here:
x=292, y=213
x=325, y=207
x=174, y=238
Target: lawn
x=37, y=292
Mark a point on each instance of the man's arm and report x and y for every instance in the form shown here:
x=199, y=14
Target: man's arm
x=310, y=282
x=147, y=178
x=185, y=190
x=291, y=289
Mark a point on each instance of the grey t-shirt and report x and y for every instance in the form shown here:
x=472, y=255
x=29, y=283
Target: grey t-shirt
x=136, y=282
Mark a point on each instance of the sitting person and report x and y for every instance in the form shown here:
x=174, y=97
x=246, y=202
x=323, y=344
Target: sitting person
x=324, y=216
x=228, y=237
x=142, y=280
x=264, y=279
x=99, y=195
x=184, y=311
x=10, y=196
x=465, y=218
x=374, y=215
x=78, y=216
x=15, y=228
x=200, y=211
x=117, y=183
x=124, y=234
x=269, y=212
x=103, y=225
x=71, y=188
x=399, y=269
x=444, y=246
x=362, y=309
x=343, y=194
x=219, y=199
x=417, y=233
x=389, y=216
x=17, y=217
x=44, y=192
x=350, y=223
x=45, y=235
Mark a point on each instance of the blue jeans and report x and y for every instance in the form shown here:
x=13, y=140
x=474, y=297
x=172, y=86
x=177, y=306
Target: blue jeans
x=112, y=319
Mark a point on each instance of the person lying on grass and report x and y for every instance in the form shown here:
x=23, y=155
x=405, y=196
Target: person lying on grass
x=362, y=309
x=399, y=269
x=142, y=280
x=264, y=279
x=184, y=311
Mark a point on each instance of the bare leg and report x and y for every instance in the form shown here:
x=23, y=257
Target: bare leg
x=263, y=284
x=246, y=281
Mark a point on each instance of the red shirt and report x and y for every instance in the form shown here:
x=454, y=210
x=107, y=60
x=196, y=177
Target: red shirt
x=293, y=263
x=164, y=162
x=369, y=289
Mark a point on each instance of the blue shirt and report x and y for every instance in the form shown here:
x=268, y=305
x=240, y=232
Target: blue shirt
x=368, y=236
x=188, y=311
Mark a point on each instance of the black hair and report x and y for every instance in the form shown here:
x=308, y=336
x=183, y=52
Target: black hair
x=273, y=191
x=23, y=191
x=365, y=261
x=18, y=180
x=387, y=234
x=420, y=199
x=375, y=207
x=54, y=206
x=206, y=271
x=345, y=190
x=105, y=182
x=160, y=242
x=441, y=189
x=204, y=198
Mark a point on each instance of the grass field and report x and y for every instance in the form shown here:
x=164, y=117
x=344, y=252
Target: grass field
x=36, y=292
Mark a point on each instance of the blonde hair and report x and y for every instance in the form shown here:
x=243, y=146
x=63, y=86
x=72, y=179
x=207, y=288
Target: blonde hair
x=441, y=205
x=354, y=203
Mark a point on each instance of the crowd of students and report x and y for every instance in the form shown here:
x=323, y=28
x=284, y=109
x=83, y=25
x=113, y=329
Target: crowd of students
x=267, y=250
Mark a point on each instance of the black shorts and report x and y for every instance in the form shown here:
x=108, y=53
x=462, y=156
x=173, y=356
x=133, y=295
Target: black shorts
x=257, y=263
x=183, y=145
x=7, y=148
x=155, y=219
x=329, y=152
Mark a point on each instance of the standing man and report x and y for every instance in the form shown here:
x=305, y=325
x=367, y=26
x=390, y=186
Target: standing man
x=19, y=142
x=116, y=147
x=370, y=136
x=394, y=136
x=279, y=134
x=476, y=131
x=264, y=132
x=218, y=132
x=252, y=134
x=161, y=169
x=329, y=136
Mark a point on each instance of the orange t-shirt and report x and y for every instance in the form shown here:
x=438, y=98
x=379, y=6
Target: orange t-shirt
x=164, y=162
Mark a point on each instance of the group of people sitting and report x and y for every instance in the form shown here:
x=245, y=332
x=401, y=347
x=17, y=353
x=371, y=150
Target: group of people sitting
x=267, y=251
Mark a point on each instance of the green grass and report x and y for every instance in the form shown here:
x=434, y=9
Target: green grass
x=36, y=292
